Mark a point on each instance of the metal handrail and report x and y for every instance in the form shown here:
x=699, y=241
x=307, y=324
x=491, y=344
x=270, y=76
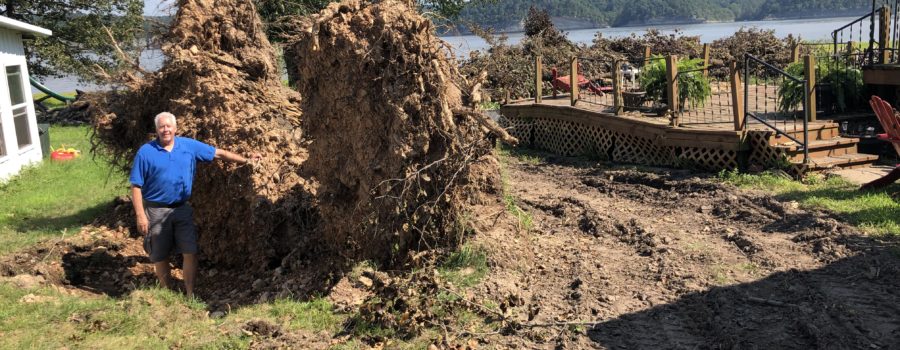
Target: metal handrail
x=776, y=69
x=858, y=20
x=777, y=131
x=747, y=114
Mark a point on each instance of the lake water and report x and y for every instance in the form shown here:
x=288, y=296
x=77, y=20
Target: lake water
x=807, y=29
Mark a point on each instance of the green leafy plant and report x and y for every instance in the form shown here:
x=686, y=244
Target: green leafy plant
x=693, y=88
x=790, y=91
x=845, y=82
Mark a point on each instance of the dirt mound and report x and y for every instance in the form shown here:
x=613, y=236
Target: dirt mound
x=392, y=147
x=220, y=79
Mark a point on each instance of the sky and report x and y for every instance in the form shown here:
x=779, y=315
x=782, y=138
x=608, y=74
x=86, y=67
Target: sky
x=157, y=7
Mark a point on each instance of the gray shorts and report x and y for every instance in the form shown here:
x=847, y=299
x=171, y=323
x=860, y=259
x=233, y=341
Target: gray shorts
x=170, y=228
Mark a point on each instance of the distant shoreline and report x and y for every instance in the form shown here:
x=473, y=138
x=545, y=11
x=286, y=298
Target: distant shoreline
x=587, y=25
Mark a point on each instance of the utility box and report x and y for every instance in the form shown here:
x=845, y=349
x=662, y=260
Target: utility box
x=44, y=136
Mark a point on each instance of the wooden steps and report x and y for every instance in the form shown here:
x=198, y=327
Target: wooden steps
x=827, y=149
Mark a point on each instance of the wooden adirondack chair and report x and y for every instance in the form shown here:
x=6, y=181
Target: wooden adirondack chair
x=890, y=120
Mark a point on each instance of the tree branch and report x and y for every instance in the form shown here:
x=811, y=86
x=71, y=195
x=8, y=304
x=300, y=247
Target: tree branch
x=121, y=54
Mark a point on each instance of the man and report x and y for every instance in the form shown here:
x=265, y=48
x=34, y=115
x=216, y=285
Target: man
x=161, y=180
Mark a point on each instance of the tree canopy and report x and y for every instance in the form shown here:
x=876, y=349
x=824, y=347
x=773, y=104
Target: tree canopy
x=81, y=43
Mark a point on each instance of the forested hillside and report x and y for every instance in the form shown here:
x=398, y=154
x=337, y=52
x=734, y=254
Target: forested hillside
x=508, y=13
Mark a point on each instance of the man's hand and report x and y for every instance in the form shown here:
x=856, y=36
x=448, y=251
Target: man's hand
x=137, y=200
x=143, y=225
x=254, y=158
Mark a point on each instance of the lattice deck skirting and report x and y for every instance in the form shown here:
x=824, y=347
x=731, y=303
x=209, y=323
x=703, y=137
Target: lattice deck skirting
x=570, y=138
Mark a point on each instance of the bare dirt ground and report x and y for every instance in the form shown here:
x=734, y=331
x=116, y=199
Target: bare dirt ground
x=616, y=259
x=673, y=260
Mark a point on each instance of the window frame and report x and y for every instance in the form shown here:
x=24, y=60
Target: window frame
x=12, y=108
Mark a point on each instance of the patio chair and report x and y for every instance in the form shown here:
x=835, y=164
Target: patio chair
x=890, y=120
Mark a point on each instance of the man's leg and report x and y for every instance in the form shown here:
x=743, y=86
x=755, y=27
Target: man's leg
x=158, y=243
x=189, y=270
x=162, y=272
x=186, y=240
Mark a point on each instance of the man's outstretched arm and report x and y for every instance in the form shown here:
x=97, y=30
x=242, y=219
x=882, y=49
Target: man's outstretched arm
x=234, y=157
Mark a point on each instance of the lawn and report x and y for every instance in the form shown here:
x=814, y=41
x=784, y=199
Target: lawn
x=875, y=212
x=145, y=319
x=50, y=198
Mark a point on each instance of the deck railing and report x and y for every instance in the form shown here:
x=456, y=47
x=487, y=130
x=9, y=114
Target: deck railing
x=871, y=38
x=603, y=83
x=717, y=107
x=779, y=100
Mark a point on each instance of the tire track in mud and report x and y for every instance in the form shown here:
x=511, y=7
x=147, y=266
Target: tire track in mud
x=679, y=261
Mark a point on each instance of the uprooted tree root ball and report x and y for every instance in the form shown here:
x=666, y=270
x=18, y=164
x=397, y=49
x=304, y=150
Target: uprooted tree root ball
x=388, y=158
x=221, y=81
x=391, y=146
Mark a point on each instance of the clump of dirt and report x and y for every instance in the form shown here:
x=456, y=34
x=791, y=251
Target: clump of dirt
x=394, y=151
x=75, y=113
x=96, y=259
x=220, y=79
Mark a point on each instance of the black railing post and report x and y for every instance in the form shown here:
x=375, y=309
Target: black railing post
x=834, y=38
x=746, y=88
x=871, y=50
x=805, y=123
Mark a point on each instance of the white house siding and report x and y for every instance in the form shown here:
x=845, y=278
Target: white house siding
x=12, y=53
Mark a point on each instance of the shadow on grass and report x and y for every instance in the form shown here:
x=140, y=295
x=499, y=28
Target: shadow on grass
x=851, y=303
x=55, y=223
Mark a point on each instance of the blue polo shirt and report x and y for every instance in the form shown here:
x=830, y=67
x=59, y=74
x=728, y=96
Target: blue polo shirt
x=166, y=177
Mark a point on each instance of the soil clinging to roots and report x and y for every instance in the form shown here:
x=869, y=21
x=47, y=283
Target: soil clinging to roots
x=391, y=146
x=384, y=158
x=221, y=81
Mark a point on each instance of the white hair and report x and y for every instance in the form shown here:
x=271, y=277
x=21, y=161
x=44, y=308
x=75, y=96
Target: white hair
x=164, y=115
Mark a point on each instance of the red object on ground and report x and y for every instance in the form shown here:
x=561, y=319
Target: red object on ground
x=563, y=84
x=62, y=156
x=890, y=120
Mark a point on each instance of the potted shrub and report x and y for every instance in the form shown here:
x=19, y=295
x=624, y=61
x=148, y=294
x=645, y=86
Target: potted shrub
x=693, y=87
x=839, y=87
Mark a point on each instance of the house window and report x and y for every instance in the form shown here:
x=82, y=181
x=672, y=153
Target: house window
x=20, y=120
x=19, y=107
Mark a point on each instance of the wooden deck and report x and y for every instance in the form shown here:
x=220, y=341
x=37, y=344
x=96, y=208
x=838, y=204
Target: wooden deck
x=722, y=120
x=633, y=137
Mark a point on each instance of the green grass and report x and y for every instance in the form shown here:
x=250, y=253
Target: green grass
x=146, y=319
x=465, y=267
x=490, y=105
x=46, y=199
x=52, y=102
x=505, y=153
x=313, y=315
x=874, y=212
